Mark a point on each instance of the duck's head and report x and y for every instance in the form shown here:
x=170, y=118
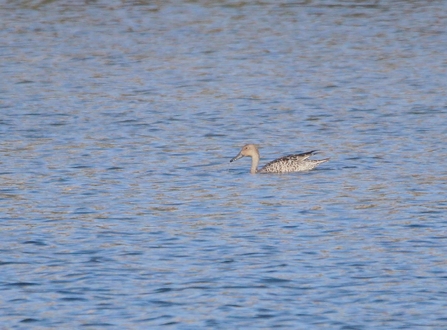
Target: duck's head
x=247, y=150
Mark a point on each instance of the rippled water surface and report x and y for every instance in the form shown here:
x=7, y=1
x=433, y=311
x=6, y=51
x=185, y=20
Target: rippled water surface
x=119, y=207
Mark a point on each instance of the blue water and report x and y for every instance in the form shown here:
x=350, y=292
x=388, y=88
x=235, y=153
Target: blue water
x=119, y=208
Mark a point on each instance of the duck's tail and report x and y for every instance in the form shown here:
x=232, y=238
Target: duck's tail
x=314, y=163
x=321, y=161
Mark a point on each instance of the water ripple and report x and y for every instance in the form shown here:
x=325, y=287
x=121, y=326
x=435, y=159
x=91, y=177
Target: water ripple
x=120, y=208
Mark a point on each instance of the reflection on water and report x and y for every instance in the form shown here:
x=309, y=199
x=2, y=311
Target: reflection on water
x=118, y=203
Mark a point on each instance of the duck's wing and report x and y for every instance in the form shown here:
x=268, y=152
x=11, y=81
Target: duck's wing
x=300, y=157
x=294, y=157
x=286, y=163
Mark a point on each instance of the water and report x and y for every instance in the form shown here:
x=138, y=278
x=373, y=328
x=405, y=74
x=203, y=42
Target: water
x=119, y=208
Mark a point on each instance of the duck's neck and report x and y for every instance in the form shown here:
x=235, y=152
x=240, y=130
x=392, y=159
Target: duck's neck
x=254, y=163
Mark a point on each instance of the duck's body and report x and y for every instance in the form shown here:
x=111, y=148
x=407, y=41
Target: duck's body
x=290, y=163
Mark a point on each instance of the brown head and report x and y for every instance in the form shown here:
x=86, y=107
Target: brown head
x=247, y=150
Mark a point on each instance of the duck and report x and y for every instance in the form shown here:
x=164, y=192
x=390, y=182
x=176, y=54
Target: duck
x=286, y=164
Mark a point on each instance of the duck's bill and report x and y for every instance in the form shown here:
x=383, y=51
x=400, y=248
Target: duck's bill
x=237, y=157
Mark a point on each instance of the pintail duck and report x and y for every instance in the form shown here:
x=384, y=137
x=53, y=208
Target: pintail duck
x=290, y=163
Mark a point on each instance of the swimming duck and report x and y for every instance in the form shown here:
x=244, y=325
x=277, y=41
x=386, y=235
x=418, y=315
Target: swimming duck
x=290, y=163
